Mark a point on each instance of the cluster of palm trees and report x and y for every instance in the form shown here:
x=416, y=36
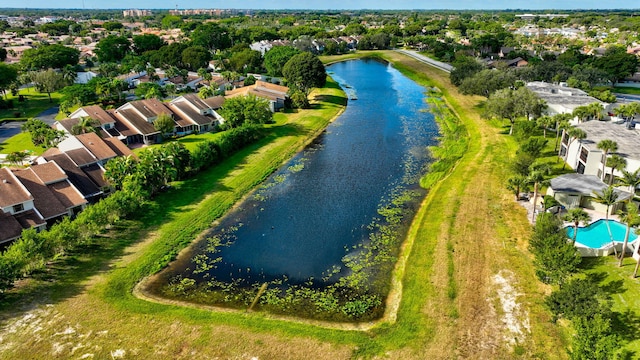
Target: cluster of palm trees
x=627, y=111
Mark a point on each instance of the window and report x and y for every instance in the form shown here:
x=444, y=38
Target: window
x=580, y=169
x=18, y=208
x=584, y=153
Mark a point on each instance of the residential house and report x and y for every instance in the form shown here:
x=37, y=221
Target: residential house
x=194, y=114
x=54, y=196
x=584, y=155
x=561, y=99
x=17, y=208
x=139, y=116
x=275, y=94
x=82, y=171
x=578, y=190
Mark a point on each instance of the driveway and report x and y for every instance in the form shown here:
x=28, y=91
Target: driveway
x=49, y=115
x=9, y=129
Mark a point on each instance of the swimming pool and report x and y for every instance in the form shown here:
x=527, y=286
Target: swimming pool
x=596, y=235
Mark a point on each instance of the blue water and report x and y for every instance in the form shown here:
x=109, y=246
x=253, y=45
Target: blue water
x=316, y=208
x=596, y=235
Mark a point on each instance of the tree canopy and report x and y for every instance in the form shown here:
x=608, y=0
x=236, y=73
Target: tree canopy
x=241, y=110
x=112, y=48
x=305, y=71
x=49, y=56
x=275, y=59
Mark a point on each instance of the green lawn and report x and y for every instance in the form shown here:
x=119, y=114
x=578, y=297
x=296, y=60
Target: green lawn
x=624, y=292
x=626, y=90
x=35, y=104
x=20, y=142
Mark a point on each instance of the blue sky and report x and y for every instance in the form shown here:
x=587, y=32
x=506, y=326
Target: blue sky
x=331, y=4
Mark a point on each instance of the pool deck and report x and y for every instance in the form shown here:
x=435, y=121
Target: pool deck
x=595, y=215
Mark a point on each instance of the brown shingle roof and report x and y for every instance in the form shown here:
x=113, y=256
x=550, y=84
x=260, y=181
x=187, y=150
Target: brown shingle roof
x=96, y=174
x=29, y=219
x=81, y=157
x=96, y=146
x=76, y=176
x=99, y=114
x=195, y=100
x=186, y=111
x=49, y=172
x=43, y=199
x=10, y=228
x=68, y=195
x=11, y=191
x=140, y=124
x=68, y=124
x=150, y=107
x=214, y=102
x=118, y=147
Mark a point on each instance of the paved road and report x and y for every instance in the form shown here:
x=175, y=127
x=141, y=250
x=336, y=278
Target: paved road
x=49, y=115
x=9, y=129
x=437, y=64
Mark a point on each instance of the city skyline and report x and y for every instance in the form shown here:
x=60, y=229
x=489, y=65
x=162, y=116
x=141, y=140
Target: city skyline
x=341, y=5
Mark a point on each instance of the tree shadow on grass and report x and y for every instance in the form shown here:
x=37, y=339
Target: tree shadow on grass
x=592, y=263
x=331, y=99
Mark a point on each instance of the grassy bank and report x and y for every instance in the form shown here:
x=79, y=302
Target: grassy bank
x=467, y=234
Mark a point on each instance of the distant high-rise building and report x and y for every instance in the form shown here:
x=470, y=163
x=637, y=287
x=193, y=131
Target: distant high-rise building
x=136, y=13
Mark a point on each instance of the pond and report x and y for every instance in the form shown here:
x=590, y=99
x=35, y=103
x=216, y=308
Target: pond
x=323, y=231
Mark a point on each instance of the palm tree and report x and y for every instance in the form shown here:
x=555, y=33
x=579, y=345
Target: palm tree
x=615, y=162
x=596, y=110
x=562, y=123
x=85, y=125
x=576, y=216
x=606, y=146
x=206, y=92
x=630, y=179
x=574, y=133
x=537, y=178
x=545, y=122
x=582, y=113
x=631, y=218
x=517, y=184
x=608, y=197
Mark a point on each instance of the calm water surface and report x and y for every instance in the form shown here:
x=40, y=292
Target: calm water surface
x=309, y=214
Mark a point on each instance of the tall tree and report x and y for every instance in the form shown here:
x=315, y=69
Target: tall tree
x=49, y=57
x=615, y=162
x=606, y=146
x=305, y=71
x=630, y=179
x=8, y=75
x=545, y=122
x=562, y=123
x=630, y=218
x=608, y=197
x=147, y=42
x=537, y=178
x=85, y=125
x=576, y=216
x=47, y=81
x=574, y=134
x=112, y=48
x=275, y=59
